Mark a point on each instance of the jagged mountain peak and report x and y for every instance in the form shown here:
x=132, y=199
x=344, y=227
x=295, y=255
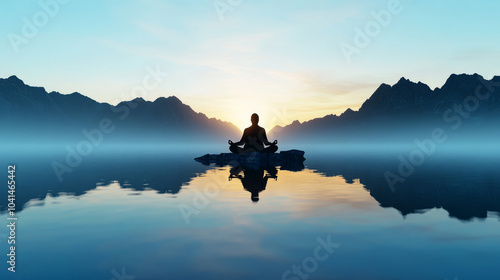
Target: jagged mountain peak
x=349, y=112
x=139, y=100
x=79, y=95
x=65, y=115
x=15, y=79
x=172, y=99
x=404, y=80
x=460, y=79
x=401, y=107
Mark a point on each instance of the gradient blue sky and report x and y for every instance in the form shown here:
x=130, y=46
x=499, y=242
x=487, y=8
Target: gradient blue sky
x=281, y=59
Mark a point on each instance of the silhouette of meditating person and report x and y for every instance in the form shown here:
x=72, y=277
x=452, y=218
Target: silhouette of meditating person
x=254, y=180
x=254, y=138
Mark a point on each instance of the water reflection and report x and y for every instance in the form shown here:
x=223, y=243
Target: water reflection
x=166, y=172
x=467, y=189
x=254, y=180
x=99, y=223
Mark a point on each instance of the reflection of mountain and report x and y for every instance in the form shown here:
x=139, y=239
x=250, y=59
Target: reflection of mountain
x=407, y=110
x=466, y=188
x=33, y=113
x=165, y=173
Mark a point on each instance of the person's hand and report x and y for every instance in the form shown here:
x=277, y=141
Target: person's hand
x=275, y=142
x=230, y=142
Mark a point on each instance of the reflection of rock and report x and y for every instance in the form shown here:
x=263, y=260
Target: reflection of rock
x=292, y=160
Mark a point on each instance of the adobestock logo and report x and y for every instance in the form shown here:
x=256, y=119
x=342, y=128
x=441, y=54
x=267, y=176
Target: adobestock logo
x=455, y=115
x=373, y=28
x=310, y=264
x=95, y=137
x=31, y=27
x=224, y=6
x=202, y=199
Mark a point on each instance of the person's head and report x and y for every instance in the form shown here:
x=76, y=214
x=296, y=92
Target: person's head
x=255, y=119
x=255, y=197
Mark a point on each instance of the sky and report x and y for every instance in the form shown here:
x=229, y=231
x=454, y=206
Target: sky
x=285, y=60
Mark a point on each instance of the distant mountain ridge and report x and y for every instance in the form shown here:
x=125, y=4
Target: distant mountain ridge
x=400, y=112
x=32, y=114
x=406, y=110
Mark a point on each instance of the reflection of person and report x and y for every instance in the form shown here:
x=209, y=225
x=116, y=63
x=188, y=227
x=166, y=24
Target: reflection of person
x=254, y=180
x=254, y=138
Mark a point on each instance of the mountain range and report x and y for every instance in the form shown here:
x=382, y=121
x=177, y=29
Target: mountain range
x=29, y=113
x=467, y=106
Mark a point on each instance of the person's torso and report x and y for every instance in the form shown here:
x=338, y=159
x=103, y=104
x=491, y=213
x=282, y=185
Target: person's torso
x=254, y=137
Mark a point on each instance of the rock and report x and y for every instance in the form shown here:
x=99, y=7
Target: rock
x=292, y=160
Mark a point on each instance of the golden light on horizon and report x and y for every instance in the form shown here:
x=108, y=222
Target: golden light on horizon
x=272, y=112
x=242, y=114
x=292, y=191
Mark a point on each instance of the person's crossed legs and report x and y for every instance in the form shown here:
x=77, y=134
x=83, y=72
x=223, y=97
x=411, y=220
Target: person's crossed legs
x=237, y=150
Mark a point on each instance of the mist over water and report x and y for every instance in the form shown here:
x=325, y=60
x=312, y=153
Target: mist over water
x=124, y=199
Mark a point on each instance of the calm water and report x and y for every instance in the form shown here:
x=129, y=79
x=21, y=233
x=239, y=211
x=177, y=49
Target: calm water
x=161, y=215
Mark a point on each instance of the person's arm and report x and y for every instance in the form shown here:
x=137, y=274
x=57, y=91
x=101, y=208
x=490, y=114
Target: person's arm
x=263, y=137
x=242, y=140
